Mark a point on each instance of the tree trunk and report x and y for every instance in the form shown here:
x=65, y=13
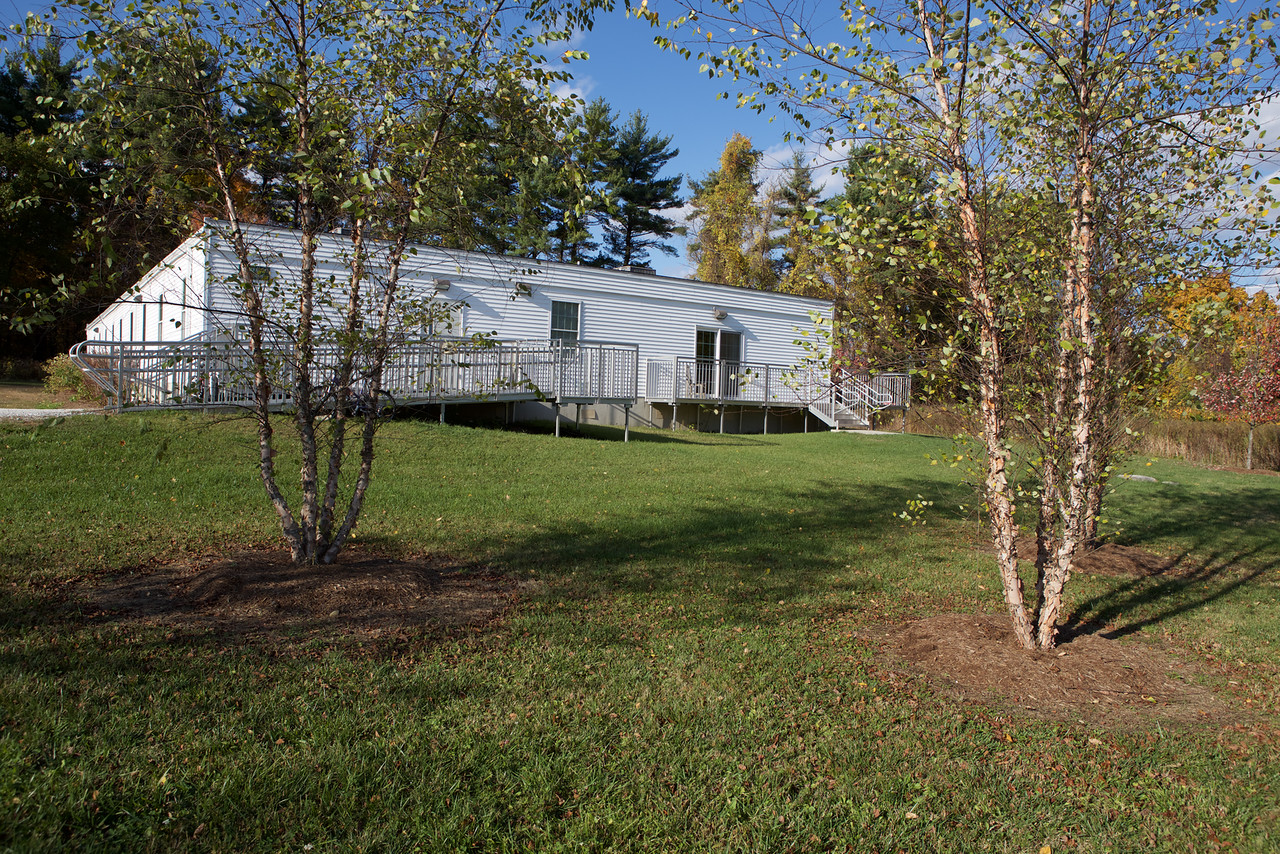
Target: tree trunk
x=999, y=497
x=1078, y=306
x=340, y=407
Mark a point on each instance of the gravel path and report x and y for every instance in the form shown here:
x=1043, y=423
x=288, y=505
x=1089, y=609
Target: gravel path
x=40, y=414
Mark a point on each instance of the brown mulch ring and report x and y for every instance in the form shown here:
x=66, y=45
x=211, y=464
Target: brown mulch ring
x=1108, y=559
x=364, y=601
x=1088, y=677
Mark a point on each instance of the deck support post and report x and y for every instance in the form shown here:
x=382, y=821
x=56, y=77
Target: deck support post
x=120, y=377
x=722, y=407
x=442, y=412
x=805, y=413
x=626, y=422
x=557, y=406
x=766, y=420
x=577, y=417
x=674, y=410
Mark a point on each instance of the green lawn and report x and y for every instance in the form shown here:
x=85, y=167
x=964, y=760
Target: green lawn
x=692, y=673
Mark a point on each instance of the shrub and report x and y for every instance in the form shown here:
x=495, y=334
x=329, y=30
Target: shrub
x=63, y=375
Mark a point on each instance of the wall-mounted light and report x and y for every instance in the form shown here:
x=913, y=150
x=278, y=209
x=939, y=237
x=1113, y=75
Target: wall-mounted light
x=719, y=313
x=523, y=289
x=441, y=285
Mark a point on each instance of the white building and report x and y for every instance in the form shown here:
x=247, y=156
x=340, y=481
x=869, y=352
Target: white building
x=621, y=345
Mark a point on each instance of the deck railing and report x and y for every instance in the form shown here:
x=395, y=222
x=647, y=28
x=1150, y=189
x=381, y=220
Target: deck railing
x=220, y=373
x=691, y=380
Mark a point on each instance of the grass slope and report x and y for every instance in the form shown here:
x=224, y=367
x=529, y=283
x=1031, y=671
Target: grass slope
x=691, y=672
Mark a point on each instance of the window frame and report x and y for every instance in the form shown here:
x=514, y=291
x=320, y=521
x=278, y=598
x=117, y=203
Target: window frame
x=577, y=320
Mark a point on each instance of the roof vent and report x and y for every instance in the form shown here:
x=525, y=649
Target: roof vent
x=637, y=268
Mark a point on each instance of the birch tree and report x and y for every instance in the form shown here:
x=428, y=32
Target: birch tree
x=1129, y=119
x=367, y=96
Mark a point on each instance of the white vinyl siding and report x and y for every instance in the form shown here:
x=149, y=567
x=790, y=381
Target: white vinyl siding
x=507, y=298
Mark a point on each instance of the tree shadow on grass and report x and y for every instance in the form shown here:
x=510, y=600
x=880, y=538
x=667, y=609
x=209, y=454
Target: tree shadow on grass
x=735, y=551
x=1188, y=584
x=1225, y=547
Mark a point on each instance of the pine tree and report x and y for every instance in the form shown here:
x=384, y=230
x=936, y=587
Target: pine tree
x=800, y=266
x=572, y=186
x=636, y=224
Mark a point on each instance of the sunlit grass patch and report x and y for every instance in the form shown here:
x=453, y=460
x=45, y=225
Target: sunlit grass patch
x=696, y=662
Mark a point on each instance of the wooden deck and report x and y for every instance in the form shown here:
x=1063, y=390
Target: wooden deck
x=847, y=403
x=211, y=374
x=204, y=374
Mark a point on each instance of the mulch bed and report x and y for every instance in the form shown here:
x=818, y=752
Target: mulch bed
x=1088, y=677
x=364, y=601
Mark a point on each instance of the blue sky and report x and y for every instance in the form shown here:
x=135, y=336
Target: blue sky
x=631, y=73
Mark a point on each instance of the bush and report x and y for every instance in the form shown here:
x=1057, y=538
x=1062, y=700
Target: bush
x=63, y=375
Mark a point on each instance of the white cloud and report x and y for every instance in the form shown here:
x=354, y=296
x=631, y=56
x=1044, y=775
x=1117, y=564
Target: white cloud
x=580, y=87
x=826, y=163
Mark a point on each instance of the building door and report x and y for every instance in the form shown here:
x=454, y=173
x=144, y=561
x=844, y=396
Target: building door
x=730, y=363
x=705, y=351
x=719, y=358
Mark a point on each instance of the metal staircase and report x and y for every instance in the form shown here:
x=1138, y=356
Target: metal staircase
x=850, y=403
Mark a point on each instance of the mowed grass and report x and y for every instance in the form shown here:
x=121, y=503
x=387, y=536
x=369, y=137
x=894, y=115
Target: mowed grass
x=694, y=667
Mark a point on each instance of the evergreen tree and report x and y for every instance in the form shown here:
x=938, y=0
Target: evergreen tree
x=731, y=241
x=636, y=224
x=42, y=206
x=569, y=189
x=800, y=266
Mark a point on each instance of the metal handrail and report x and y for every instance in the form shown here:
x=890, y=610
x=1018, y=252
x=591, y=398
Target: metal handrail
x=202, y=373
x=689, y=379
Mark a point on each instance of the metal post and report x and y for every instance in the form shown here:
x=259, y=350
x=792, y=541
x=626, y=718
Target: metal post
x=626, y=422
x=577, y=417
x=599, y=353
x=557, y=406
x=673, y=416
x=766, y=419
x=120, y=379
x=559, y=380
x=722, y=408
x=442, y=412
x=805, y=414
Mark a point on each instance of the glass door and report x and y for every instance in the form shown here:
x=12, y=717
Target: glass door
x=703, y=383
x=730, y=363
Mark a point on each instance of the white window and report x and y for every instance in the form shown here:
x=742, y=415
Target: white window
x=446, y=320
x=564, y=321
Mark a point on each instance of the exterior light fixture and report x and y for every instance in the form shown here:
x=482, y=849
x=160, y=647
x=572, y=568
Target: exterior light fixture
x=441, y=285
x=719, y=313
